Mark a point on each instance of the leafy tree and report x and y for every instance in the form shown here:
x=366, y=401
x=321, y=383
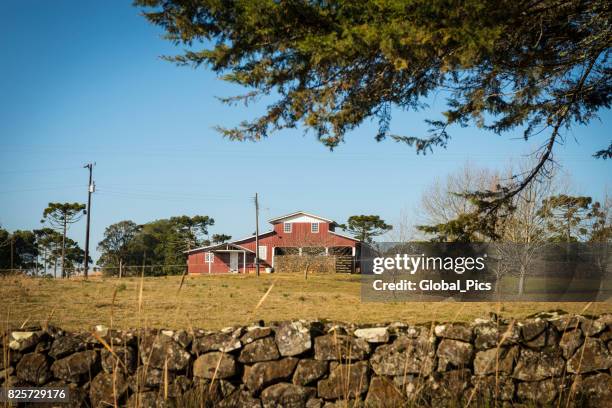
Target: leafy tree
x=115, y=246
x=25, y=250
x=60, y=216
x=49, y=244
x=220, y=238
x=567, y=217
x=601, y=227
x=365, y=227
x=5, y=249
x=539, y=66
x=192, y=230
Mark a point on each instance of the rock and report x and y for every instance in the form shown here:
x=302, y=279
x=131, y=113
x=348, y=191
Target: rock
x=340, y=347
x=101, y=330
x=345, y=381
x=373, y=334
x=454, y=354
x=5, y=373
x=491, y=388
x=293, y=338
x=594, y=327
x=107, y=388
x=595, y=390
x=592, y=356
x=567, y=322
x=24, y=340
x=308, y=371
x=255, y=333
x=487, y=361
x=548, y=338
x=570, y=341
x=449, y=386
x=147, y=399
x=530, y=329
x=124, y=358
x=454, y=331
x=65, y=345
x=404, y=356
x=286, y=395
x=34, y=368
x=240, y=399
x=214, y=365
x=488, y=335
x=159, y=350
x=183, y=338
x=224, y=342
x=259, y=350
x=150, y=378
x=538, y=365
x=77, y=367
x=383, y=393
x=539, y=392
x=265, y=373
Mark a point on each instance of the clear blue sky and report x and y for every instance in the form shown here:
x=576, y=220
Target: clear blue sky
x=82, y=81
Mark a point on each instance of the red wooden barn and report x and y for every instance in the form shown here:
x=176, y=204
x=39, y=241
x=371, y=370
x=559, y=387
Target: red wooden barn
x=291, y=234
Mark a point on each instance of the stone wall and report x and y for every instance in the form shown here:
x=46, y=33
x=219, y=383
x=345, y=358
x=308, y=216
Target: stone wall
x=296, y=263
x=547, y=360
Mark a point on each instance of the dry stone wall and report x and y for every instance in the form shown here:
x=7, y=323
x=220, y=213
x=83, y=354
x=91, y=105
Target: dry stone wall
x=548, y=360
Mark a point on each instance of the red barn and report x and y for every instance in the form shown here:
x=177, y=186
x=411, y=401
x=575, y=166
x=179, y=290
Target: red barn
x=291, y=234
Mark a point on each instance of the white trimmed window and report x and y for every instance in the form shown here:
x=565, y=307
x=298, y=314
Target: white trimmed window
x=287, y=227
x=314, y=227
x=263, y=251
x=209, y=257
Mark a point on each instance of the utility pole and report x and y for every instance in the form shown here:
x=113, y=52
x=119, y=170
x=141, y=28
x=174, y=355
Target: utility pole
x=256, y=236
x=90, y=189
x=12, y=251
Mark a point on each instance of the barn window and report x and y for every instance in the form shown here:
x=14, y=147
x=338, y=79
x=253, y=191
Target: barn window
x=287, y=227
x=209, y=257
x=263, y=250
x=314, y=227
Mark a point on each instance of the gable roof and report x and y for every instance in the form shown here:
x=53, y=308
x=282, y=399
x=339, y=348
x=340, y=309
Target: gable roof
x=276, y=220
x=223, y=246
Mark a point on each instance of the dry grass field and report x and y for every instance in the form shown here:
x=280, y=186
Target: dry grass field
x=213, y=302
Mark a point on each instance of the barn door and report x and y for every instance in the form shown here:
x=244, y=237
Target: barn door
x=233, y=261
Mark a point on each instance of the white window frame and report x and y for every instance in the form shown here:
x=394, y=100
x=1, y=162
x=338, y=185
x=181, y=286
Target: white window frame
x=209, y=257
x=287, y=230
x=312, y=227
x=263, y=249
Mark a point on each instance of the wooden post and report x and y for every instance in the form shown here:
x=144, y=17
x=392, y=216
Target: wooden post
x=120, y=268
x=256, y=236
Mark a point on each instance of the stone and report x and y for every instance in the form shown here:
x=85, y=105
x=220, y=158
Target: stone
x=593, y=355
x=541, y=392
x=6, y=372
x=383, y=393
x=345, y=381
x=214, y=365
x=595, y=390
x=405, y=355
x=454, y=354
x=492, y=360
x=538, y=365
x=530, y=329
x=124, y=358
x=570, y=341
x=255, y=333
x=240, y=399
x=65, y=345
x=449, y=386
x=24, y=340
x=594, y=327
x=225, y=342
x=34, y=369
x=567, y=322
x=308, y=371
x=149, y=377
x=147, y=399
x=373, y=334
x=340, y=347
x=454, y=331
x=492, y=388
x=183, y=338
x=159, y=350
x=293, y=338
x=77, y=367
x=107, y=388
x=259, y=350
x=286, y=395
x=488, y=335
x=265, y=373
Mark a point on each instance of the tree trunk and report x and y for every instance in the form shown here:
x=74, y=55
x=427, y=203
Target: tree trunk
x=64, y=250
x=521, y=283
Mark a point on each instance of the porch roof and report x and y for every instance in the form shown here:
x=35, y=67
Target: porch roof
x=225, y=247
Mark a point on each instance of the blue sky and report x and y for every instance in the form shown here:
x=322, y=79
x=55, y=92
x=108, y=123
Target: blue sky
x=83, y=81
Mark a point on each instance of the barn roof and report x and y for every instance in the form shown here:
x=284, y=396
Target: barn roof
x=224, y=247
x=276, y=220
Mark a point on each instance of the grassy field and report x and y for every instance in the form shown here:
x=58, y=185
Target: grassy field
x=213, y=302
